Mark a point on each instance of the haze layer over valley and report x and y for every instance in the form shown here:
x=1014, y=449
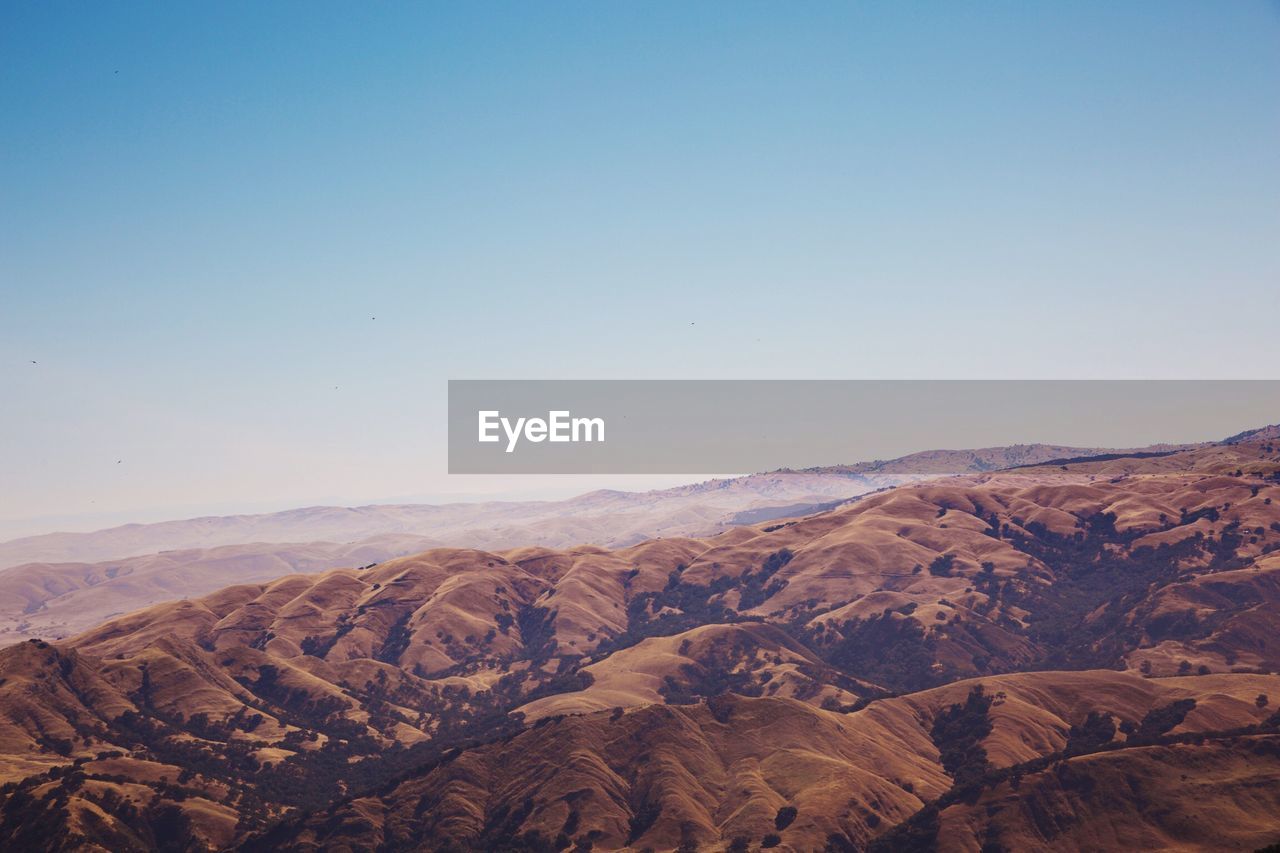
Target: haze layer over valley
x=54, y=585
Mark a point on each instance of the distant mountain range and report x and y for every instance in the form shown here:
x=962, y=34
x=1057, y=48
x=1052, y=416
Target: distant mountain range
x=61, y=583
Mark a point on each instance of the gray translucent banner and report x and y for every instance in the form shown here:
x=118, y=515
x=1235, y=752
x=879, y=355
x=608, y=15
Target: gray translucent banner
x=740, y=426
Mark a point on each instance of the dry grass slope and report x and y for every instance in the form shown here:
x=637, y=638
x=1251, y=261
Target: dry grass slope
x=1075, y=656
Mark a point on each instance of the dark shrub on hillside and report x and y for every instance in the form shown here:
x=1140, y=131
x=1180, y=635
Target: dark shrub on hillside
x=941, y=567
x=1160, y=720
x=1097, y=730
x=958, y=733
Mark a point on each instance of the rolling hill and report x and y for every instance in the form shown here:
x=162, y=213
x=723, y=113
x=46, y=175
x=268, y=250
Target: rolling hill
x=1069, y=656
x=63, y=583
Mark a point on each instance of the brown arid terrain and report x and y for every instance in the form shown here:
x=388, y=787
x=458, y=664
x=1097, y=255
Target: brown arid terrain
x=1066, y=656
x=59, y=584
x=56, y=597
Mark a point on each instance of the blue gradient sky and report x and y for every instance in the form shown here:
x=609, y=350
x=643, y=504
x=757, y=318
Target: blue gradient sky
x=202, y=206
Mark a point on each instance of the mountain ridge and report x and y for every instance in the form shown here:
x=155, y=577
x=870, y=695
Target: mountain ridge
x=886, y=672
x=55, y=598
x=346, y=524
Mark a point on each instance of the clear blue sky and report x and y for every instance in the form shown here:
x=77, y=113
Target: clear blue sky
x=202, y=206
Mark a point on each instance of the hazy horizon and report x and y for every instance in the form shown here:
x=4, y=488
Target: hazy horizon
x=486, y=487
x=543, y=489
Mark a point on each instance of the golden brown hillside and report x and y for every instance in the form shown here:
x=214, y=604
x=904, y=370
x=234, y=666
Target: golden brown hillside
x=59, y=584
x=1024, y=659
x=662, y=777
